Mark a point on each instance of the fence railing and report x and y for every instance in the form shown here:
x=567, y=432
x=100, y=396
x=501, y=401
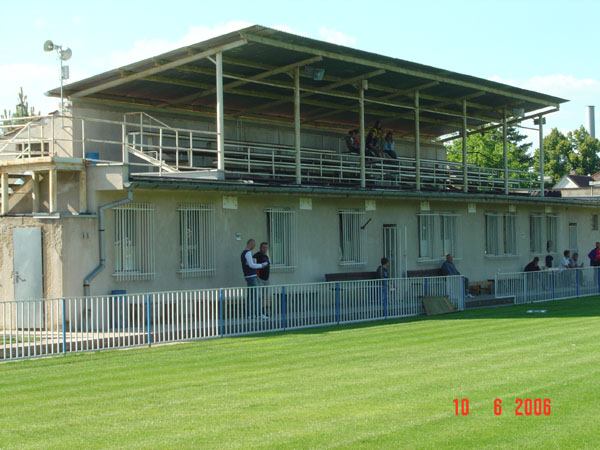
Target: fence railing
x=528, y=287
x=45, y=327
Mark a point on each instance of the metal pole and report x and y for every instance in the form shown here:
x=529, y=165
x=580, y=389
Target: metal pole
x=417, y=144
x=464, y=148
x=505, y=153
x=297, y=125
x=541, y=137
x=62, y=101
x=361, y=104
x=220, y=115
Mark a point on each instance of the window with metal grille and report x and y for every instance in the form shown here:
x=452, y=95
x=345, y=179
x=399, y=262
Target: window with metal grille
x=543, y=233
x=196, y=240
x=134, y=242
x=351, y=237
x=500, y=234
x=281, y=232
x=438, y=236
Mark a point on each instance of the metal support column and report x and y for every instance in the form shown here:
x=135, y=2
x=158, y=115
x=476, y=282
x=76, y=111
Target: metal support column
x=220, y=114
x=297, y=125
x=35, y=192
x=464, y=147
x=4, y=187
x=541, y=130
x=417, y=144
x=361, y=104
x=52, y=190
x=505, y=153
x=82, y=191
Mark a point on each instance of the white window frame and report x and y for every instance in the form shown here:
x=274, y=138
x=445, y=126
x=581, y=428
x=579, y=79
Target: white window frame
x=351, y=238
x=282, y=239
x=134, y=242
x=438, y=235
x=196, y=240
x=500, y=234
x=546, y=230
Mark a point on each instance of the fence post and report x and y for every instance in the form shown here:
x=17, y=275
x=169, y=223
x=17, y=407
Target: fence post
x=425, y=286
x=597, y=275
x=283, y=308
x=337, y=302
x=148, y=322
x=463, y=290
x=221, y=313
x=577, y=282
x=64, y=325
x=525, y=296
x=553, y=276
x=384, y=297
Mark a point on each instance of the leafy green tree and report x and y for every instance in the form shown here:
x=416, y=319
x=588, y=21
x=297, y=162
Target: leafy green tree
x=576, y=152
x=22, y=109
x=486, y=150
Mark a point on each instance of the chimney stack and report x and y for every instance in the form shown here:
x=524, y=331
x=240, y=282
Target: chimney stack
x=592, y=121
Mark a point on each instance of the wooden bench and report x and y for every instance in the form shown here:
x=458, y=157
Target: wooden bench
x=350, y=276
x=424, y=273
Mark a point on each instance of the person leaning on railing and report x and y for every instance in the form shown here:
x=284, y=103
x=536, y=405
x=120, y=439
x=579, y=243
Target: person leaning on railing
x=249, y=268
x=533, y=265
x=388, y=145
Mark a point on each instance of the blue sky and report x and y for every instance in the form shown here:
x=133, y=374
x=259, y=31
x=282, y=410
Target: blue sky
x=548, y=46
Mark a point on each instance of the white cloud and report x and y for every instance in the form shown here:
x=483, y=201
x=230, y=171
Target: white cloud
x=560, y=85
x=336, y=37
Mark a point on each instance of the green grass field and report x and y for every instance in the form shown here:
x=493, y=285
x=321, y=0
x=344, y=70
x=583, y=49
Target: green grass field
x=386, y=385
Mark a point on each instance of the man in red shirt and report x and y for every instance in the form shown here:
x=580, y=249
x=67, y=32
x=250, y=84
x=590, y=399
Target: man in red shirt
x=594, y=255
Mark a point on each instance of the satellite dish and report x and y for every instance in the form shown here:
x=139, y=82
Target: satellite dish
x=48, y=46
x=66, y=54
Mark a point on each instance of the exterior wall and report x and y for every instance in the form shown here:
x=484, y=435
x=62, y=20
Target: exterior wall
x=317, y=238
x=592, y=191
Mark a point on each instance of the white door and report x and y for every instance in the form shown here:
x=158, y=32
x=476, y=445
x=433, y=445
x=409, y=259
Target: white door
x=392, y=249
x=27, y=276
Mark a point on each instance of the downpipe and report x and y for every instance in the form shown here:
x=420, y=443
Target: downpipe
x=102, y=250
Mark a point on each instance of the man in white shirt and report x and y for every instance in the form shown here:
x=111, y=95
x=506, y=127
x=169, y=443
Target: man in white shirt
x=565, y=261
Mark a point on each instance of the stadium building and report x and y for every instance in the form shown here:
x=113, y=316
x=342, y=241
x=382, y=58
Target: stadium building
x=162, y=169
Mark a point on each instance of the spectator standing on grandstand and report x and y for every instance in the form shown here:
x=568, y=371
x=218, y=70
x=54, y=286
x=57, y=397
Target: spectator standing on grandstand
x=594, y=255
x=533, y=265
x=448, y=269
x=261, y=257
x=565, y=261
x=388, y=145
x=383, y=271
x=372, y=145
x=574, y=263
x=353, y=142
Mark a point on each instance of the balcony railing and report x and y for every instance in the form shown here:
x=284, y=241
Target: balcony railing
x=149, y=146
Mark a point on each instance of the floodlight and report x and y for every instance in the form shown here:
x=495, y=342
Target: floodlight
x=518, y=112
x=318, y=74
x=66, y=54
x=48, y=46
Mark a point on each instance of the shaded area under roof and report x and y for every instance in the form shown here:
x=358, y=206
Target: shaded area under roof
x=184, y=80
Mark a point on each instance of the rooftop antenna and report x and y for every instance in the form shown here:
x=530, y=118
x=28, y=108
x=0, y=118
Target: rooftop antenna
x=64, y=54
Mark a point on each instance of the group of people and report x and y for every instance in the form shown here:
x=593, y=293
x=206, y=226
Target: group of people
x=568, y=260
x=377, y=144
x=256, y=270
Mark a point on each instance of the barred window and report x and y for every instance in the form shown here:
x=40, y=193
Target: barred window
x=281, y=232
x=351, y=237
x=196, y=240
x=543, y=233
x=500, y=234
x=438, y=235
x=134, y=242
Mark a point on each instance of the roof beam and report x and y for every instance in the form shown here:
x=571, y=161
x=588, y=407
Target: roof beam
x=158, y=68
x=390, y=67
x=241, y=82
x=326, y=88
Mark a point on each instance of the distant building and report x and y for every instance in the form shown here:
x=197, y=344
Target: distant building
x=579, y=185
x=164, y=168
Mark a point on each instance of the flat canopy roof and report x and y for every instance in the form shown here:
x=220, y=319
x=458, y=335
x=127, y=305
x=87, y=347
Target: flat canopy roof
x=258, y=62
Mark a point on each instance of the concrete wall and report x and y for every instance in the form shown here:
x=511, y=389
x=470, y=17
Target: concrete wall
x=317, y=238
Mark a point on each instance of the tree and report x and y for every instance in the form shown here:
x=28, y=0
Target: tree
x=486, y=150
x=22, y=109
x=576, y=152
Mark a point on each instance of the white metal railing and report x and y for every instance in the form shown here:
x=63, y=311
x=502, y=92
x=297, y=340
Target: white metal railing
x=148, y=144
x=44, y=327
x=528, y=287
